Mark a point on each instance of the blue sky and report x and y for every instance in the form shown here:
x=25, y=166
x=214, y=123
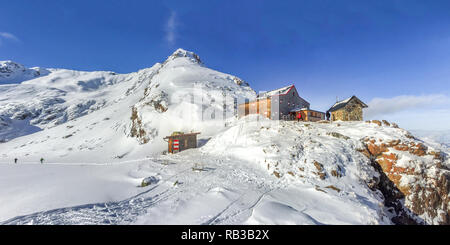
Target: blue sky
x=394, y=55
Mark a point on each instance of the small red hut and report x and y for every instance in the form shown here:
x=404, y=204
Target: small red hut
x=180, y=141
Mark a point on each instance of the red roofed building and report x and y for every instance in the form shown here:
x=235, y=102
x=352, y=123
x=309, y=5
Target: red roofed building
x=276, y=104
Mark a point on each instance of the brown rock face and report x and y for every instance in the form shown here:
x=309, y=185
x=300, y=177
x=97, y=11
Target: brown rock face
x=376, y=150
x=276, y=174
x=318, y=166
x=386, y=161
x=401, y=147
x=320, y=170
x=376, y=122
x=433, y=200
x=425, y=192
x=137, y=130
x=418, y=149
x=394, y=143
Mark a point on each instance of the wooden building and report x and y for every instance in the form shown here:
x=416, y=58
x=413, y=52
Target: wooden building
x=308, y=115
x=350, y=109
x=180, y=141
x=276, y=104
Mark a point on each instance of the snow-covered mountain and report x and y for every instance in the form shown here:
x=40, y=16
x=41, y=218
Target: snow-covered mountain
x=11, y=72
x=130, y=109
x=101, y=134
x=434, y=136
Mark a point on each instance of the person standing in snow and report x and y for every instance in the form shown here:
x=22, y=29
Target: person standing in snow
x=328, y=116
x=299, y=117
x=42, y=160
x=15, y=160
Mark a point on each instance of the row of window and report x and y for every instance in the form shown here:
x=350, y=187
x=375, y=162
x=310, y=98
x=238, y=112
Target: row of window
x=314, y=114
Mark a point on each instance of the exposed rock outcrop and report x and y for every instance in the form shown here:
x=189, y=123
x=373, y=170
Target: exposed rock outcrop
x=414, y=180
x=137, y=129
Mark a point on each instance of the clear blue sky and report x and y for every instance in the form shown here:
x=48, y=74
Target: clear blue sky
x=374, y=49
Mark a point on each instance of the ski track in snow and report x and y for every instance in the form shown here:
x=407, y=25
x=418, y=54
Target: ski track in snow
x=128, y=210
x=256, y=171
x=98, y=213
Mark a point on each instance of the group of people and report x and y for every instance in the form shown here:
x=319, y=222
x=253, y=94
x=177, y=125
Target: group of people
x=15, y=160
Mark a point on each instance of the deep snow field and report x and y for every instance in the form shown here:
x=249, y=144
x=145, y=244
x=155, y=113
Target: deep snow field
x=229, y=180
x=101, y=134
x=233, y=187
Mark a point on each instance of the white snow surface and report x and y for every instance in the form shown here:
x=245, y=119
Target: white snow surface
x=63, y=105
x=434, y=136
x=11, y=72
x=236, y=185
x=247, y=171
x=279, y=91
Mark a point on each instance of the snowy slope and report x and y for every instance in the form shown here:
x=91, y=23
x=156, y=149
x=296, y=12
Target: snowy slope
x=64, y=95
x=86, y=114
x=11, y=72
x=231, y=189
x=328, y=156
x=100, y=134
x=433, y=137
x=254, y=172
x=226, y=192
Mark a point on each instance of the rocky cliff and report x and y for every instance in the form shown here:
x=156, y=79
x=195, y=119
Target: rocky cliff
x=414, y=178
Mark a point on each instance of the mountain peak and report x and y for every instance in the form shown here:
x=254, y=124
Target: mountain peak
x=9, y=66
x=13, y=72
x=180, y=53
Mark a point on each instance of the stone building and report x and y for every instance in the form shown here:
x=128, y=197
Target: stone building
x=350, y=109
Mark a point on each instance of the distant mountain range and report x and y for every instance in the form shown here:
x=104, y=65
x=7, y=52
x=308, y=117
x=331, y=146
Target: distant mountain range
x=439, y=136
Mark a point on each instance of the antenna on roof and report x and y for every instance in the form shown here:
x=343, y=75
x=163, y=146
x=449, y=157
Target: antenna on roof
x=337, y=100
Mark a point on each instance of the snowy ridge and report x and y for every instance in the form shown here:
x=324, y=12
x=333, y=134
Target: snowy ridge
x=178, y=94
x=280, y=91
x=63, y=96
x=101, y=134
x=328, y=156
x=181, y=53
x=256, y=171
x=11, y=72
x=128, y=109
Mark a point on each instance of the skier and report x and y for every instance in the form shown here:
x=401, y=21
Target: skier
x=328, y=116
x=42, y=160
x=15, y=160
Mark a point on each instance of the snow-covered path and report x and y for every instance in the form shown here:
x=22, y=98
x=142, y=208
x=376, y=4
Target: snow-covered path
x=238, y=183
x=227, y=191
x=232, y=200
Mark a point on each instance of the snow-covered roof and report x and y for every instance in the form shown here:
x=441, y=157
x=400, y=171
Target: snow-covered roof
x=280, y=91
x=340, y=104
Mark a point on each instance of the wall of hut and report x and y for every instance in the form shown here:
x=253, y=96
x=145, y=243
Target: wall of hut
x=353, y=111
